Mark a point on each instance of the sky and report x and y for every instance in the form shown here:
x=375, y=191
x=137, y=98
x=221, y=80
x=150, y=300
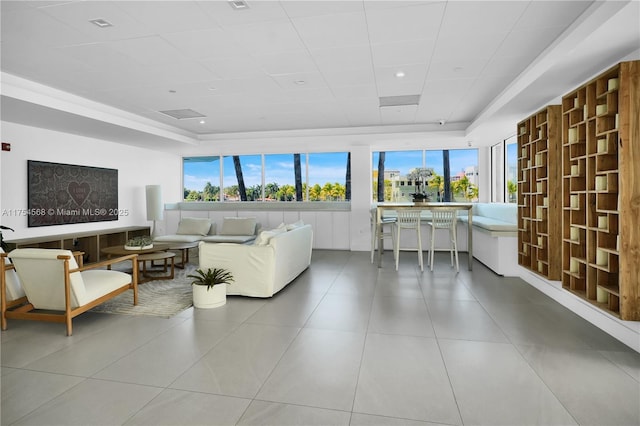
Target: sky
x=323, y=167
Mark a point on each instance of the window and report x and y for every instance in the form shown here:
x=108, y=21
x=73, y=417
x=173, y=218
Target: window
x=268, y=177
x=512, y=170
x=242, y=171
x=201, y=178
x=409, y=172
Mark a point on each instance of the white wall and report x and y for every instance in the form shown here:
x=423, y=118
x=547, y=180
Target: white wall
x=136, y=167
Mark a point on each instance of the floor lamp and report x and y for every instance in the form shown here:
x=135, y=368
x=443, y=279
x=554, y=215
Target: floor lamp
x=155, y=210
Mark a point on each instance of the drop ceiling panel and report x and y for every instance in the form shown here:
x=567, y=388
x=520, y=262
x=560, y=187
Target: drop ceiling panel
x=346, y=93
x=231, y=67
x=287, y=63
x=405, y=24
x=267, y=38
x=297, y=9
x=168, y=16
x=541, y=15
x=258, y=11
x=77, y=15
x=347, y=29
x=401, y=53
x=480, y=17
x=147, y=51
x=405, y=114
x=353, y=77
x=342, y=58
x=36, y=30
x=205, y=44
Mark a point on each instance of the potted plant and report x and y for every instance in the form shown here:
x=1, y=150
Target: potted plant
x=2, y=243
x=208, y=291
x=139, y=243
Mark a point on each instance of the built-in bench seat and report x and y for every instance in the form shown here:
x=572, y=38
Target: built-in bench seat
x=495, y=236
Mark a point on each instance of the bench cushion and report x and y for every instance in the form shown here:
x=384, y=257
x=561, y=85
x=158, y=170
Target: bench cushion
x=491, y=224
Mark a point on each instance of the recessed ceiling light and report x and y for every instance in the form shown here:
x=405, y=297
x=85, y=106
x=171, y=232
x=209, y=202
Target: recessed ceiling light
x=238, y=4
x=213, y=89
x=400, y=74
x=300, y=82
x=102, y=23
x=202, y=122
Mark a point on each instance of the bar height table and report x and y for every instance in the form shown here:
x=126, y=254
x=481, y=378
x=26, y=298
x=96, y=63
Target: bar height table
x=381, y=207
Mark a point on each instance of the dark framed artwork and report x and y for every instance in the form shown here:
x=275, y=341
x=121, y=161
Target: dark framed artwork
x=61, y=194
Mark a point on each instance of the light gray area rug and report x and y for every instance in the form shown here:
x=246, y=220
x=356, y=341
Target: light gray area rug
x=161, y=298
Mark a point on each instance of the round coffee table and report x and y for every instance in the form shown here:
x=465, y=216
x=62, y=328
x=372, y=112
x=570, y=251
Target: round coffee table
x=158, y=249
x=184, y=249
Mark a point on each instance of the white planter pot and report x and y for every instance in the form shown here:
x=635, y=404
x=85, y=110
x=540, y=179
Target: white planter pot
x=212, y=298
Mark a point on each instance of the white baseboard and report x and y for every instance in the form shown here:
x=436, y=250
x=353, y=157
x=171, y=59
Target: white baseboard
x=628, y=332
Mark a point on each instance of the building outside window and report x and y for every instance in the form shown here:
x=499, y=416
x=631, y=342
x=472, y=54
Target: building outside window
x=410, y=172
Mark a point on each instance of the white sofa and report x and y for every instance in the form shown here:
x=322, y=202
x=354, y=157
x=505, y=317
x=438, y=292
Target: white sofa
x=263, y=268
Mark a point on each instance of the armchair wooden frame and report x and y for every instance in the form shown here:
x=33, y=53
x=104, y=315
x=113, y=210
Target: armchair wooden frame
x=23, y=309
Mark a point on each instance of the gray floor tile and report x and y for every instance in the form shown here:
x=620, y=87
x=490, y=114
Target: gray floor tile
x=236, y=310
x=175, y=407
x=320, y=369
x=24, y=391
x=628, y=361
x=392, y=285
x=288, y=309
x=342, y=312
x=271, y=413
x=167, y=356
x=404, y=376
x=494, y=385
x=584, y=382
x=93, y=402
x=358, y=419
x=97, y=351
x=465, y=320
x=399, y=315
x=241, y=363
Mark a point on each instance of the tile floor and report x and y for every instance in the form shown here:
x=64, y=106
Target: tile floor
x=345, y=344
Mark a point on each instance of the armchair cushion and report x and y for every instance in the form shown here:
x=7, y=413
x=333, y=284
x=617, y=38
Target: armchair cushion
x=42, y=276
x=14, y=288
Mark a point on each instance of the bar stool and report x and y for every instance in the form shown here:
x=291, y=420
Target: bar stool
x=408, y=219
x=378, y=238
x=444, y=219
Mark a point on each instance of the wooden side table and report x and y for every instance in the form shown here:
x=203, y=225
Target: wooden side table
x=159, y=255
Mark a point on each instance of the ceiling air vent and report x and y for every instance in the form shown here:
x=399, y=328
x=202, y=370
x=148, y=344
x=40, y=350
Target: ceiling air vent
x=182, y=114
x=238, y=4
x=391, y=101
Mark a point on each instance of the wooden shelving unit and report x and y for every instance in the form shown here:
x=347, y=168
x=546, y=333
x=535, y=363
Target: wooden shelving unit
x=91, y=243
x=601, y=191
x=539, y=201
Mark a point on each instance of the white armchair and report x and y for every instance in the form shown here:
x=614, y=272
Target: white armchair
x=57, y=289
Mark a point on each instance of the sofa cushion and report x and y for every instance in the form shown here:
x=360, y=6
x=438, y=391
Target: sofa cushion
x=294, y=225
x=238, y=226
x=212, y=230
x=238, y=239
x=506, y=212
x=265, y=236
x=175, y=238
x=194, y=226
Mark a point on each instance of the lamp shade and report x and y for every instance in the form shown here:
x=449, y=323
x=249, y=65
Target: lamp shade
x=155, y=210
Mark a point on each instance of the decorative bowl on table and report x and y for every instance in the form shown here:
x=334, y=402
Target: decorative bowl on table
x=139, y=243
